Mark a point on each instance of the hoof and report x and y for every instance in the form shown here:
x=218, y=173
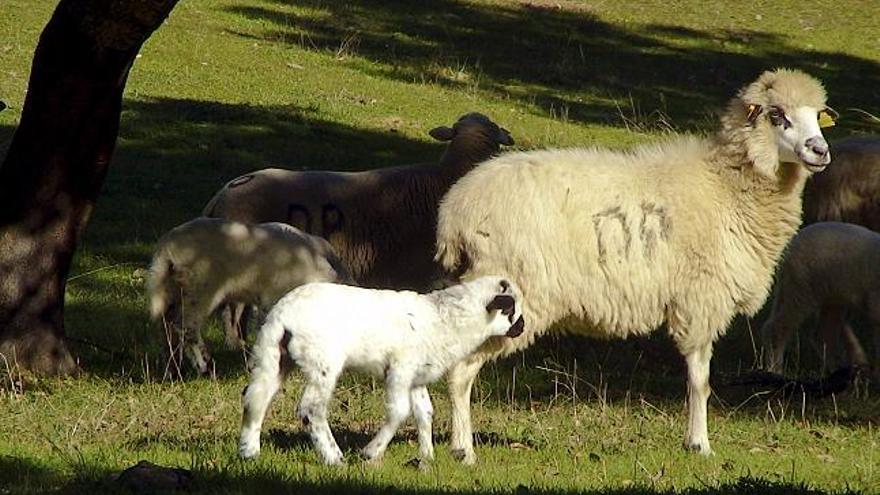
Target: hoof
x=466, y=457
x=248, y=452
x=699, y=448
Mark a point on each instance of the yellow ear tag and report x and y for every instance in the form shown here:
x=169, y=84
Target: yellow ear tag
x=754, y=111
x=825, y=119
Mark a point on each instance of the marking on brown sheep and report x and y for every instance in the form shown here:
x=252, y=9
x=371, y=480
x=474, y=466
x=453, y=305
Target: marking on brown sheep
x=298, y=216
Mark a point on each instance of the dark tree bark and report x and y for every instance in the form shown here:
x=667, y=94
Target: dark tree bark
x=56, y=164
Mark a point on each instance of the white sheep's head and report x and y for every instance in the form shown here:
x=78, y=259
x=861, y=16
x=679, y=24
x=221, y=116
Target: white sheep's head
x=503, y=307
x=784, y=106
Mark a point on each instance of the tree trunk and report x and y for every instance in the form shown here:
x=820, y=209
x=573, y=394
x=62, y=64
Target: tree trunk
x=56, y=164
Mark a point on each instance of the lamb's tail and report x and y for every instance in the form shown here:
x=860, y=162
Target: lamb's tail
x=160, y=285
x=272, y=340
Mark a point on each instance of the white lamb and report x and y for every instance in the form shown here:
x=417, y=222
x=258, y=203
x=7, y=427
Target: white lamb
x=685, y=231
x=410, y=339
x=206, y=262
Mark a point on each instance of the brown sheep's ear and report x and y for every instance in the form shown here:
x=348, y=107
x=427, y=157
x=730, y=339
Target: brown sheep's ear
x=754, y=112
x=504, y=137
x=442, y=133
x=502, y=302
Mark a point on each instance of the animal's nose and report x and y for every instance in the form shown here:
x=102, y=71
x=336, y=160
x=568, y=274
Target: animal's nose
x=817, y=145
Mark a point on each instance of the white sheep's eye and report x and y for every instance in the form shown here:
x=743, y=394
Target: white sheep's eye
x=777, y=118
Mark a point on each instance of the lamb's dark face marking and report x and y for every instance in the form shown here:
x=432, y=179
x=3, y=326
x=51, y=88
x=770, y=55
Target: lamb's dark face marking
x=503, y=302
x=505, y=285
x=517, y=328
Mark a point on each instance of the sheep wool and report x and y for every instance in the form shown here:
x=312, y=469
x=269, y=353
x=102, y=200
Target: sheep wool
x=685, y=231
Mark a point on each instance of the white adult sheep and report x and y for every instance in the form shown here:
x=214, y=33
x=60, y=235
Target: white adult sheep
x=685, y=231
x=830, y=268
x=409, y=339
x=850, y=190
x=210, y=261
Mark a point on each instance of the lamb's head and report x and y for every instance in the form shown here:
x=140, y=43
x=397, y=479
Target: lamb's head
x=780, y=114
x=503, y=306
x=474, y=130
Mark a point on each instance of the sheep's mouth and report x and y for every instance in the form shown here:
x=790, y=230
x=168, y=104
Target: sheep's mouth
x=814, y=163
x=517, y=328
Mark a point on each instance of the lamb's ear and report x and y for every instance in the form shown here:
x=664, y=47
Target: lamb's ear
x=442, y=133
x=503, y=302
x=504, y=137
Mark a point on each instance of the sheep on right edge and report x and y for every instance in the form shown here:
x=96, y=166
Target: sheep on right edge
x=830, y=268
x=685, y=232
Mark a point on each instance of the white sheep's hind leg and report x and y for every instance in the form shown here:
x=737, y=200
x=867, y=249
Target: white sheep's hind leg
x=312, y=410
x=460, y=381
x=264, y=383
x=697, y=437
x=423, y=412
x=397, y=409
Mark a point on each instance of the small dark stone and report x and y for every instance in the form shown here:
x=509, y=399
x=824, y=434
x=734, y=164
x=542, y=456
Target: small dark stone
x=148, y=477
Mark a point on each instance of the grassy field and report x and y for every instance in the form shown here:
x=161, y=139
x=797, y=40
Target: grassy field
x=228, y=86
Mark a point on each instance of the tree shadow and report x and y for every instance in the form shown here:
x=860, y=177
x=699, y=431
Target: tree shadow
x=25, y=476
x=563, y=60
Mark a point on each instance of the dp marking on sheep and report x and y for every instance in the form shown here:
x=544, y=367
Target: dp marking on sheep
x=299, y=217
x=650, y=231
x=602, y=226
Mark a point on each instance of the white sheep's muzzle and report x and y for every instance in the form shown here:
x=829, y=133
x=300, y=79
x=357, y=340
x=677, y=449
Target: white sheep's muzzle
x=803, y=141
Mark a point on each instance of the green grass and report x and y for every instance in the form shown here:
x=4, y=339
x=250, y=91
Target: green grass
x=229, y=86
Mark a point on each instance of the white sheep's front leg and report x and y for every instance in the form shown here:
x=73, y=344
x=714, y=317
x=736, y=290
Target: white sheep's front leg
x=460, y=381
x=397, y=409
x=423, y=412
x=697, y=437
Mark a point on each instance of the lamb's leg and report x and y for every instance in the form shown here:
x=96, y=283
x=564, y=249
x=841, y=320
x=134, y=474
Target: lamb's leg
x=233, y=317
x=264, y=383
x=783, y=322
x=832, y=330
x=423, y=412
x=312, y=410
x=193, y=345
x=697, y=437
x=460, y=381
x=873, y=312
x=397, y=409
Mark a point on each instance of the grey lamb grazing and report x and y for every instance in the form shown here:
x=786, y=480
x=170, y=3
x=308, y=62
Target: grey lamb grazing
x=685, y=232
x=206, y=262
x=830, y=268
x=381, y=222
x=850, y=190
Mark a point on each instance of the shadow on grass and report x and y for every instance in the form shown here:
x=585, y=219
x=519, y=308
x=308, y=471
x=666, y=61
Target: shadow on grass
x=568, y=62
x=24, y=476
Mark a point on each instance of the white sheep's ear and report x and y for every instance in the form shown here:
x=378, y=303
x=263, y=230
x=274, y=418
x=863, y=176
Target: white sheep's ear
x=442, y=133
x=754, y=110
